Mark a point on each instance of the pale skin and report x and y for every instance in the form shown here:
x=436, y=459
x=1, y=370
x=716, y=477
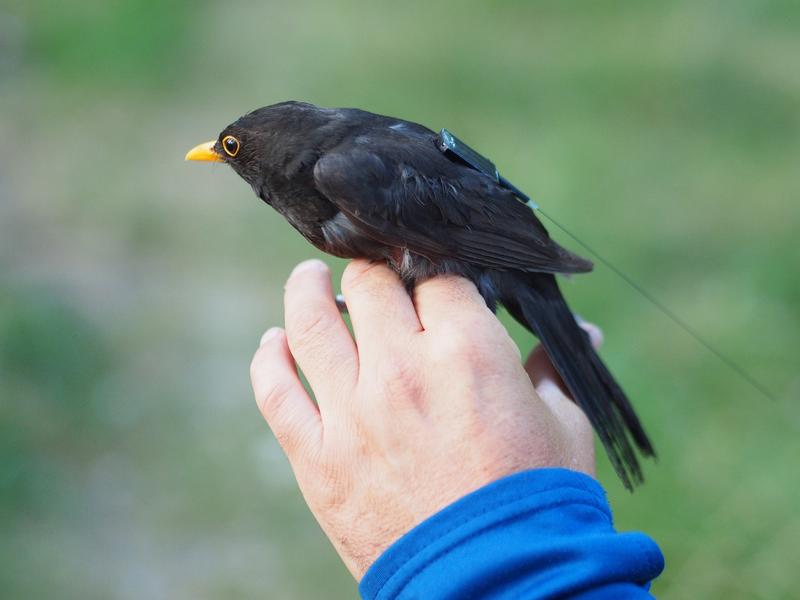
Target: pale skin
x=427, y=402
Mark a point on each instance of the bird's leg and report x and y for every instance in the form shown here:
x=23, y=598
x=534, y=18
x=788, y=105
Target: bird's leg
x=340, y=304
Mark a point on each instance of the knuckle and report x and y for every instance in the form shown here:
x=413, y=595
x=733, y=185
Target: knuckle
x=396, y=369
x=310, y=327
x=273, y=404
x=400, y=385
x=273, y=398
x=286, y=438
x=400, y=381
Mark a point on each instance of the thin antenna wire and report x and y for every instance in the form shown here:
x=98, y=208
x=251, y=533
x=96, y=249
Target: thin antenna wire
x=450, y=144
x=669, y=313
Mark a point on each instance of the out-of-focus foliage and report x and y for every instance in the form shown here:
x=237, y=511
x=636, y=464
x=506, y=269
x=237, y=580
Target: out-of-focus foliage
x=134, y=286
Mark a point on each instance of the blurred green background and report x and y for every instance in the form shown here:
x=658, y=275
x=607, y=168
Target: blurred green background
x=134, y=286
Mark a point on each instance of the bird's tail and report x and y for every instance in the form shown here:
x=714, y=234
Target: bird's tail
x=535, y=300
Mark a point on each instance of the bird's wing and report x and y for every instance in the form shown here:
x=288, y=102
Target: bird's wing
x=422, y=201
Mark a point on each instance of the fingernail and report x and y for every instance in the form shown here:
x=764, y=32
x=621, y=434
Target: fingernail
x=595, y=333
x=313, y=264
x=269, y=334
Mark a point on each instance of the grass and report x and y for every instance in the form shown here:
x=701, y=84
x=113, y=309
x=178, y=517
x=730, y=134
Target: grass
x=134, y=287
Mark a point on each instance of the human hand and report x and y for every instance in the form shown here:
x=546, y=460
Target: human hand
x=430, y=402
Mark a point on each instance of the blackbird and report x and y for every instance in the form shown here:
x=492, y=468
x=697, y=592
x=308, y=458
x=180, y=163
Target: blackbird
x=361, y=185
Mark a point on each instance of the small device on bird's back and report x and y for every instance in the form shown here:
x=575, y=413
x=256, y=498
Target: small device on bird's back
x=450, y=144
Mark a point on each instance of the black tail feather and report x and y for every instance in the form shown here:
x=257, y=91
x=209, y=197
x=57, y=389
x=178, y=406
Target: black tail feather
x=536, y=301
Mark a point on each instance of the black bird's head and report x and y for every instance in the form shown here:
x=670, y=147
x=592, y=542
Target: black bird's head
x=260, y=142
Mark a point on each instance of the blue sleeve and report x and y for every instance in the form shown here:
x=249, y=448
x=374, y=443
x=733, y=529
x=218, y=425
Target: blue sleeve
x=544, y=533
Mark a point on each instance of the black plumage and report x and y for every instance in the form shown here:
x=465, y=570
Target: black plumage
x=361, y=185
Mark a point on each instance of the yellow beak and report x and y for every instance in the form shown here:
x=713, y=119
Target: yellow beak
x=204, y=152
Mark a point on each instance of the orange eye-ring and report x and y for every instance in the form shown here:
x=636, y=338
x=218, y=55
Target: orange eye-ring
x=231, y=145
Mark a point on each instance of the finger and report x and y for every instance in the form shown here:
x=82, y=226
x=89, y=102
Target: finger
x=317, y=335
x=571, y=416
x=446, y=299
x=380, y=308
x=551, y=390
x=281, y=398
x=541, y=370
x=594, y=332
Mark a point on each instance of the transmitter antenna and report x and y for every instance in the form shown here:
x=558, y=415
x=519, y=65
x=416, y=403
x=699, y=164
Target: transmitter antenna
x=450, y=145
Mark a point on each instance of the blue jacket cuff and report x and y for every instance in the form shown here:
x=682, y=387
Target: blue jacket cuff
x=539, y=533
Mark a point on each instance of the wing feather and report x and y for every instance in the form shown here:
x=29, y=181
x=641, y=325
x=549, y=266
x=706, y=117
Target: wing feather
x=438, y=209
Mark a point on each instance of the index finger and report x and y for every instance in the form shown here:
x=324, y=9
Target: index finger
x=317, y=335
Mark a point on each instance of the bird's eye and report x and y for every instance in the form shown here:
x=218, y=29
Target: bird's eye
x=231, y=145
